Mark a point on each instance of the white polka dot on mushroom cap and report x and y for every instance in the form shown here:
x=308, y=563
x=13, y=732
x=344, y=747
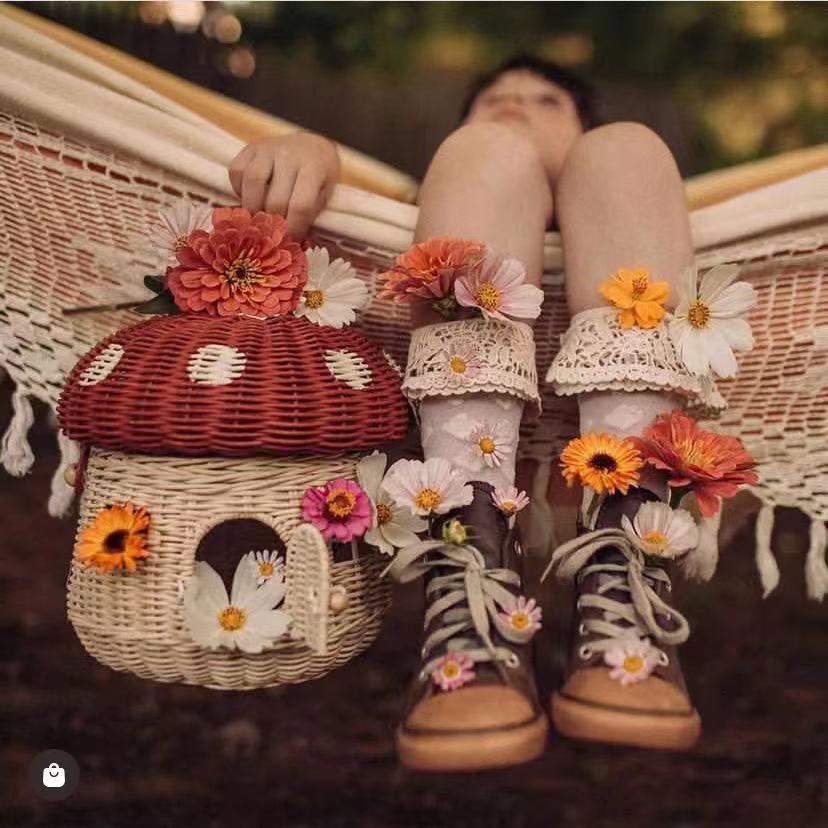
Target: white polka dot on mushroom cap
x=349, y=368
x=216, y=364
x=102, y=366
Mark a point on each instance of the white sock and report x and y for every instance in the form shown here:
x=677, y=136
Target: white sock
x=457, y=428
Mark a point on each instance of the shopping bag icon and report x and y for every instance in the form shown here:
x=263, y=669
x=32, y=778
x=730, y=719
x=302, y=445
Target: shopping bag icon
x=54, y=776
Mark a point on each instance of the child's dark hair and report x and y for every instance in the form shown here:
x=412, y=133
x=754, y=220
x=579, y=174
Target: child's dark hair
x=582, y=92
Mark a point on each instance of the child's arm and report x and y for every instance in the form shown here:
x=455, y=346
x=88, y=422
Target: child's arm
x=293, y=175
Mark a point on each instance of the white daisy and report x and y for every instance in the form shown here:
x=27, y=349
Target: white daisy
x=268, y=565
x=707, y=326
x=510, y=500
x=429, y=488
x=395, y=527
x=632, y=660
x=246, y=621
x=462, y=363
x=659, y=530
x=175, y=225
x=333, y=291
x=490, y=444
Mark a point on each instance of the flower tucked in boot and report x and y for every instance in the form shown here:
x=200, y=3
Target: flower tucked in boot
x=473, y=704
x=624, y=683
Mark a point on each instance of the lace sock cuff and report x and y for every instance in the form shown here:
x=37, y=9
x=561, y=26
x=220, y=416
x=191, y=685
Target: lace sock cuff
x=468, y=356
x=597, y=354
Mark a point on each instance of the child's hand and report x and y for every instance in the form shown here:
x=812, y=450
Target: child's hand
x=293, y=175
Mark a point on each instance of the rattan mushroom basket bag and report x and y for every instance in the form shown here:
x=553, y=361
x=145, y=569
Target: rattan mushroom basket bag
x=223, y=512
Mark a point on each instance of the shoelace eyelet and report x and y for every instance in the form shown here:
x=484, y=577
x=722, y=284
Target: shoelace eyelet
x=664, y=660
x=584, y=653
x=582, y=630
x=513, y=661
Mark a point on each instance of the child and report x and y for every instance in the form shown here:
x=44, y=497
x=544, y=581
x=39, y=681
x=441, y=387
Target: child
x=529, y=153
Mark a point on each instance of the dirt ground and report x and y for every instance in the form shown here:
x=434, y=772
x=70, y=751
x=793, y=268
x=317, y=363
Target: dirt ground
x=322, y=754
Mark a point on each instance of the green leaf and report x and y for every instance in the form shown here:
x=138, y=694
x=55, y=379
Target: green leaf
x=163, y=304
x=155, y=284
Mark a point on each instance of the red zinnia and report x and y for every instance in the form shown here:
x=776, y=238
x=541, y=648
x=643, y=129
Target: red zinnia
x=246, y=265
x=713, y=466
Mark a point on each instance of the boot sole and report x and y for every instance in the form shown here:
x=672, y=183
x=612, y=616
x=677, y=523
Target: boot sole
x=473, y=751
x=597, y=723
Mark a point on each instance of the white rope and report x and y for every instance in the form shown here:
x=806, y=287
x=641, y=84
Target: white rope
x=765, y=561
x=16, y=454
x=816, y=569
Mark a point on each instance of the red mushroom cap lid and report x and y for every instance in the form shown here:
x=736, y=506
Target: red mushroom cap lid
x=234, y=386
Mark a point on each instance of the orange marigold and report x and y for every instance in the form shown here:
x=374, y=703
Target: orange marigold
x=601, y=461
x=711, y=465
x=247, y=264
x=428, y=270
x=115, y=539
x=640, y=300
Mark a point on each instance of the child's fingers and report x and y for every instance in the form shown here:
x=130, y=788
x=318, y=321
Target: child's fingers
x=305, y=202
x=281, y=186
x=237, y=167
x=255, y=181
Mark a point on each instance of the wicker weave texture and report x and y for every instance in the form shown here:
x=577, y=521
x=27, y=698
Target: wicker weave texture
x=134, y=622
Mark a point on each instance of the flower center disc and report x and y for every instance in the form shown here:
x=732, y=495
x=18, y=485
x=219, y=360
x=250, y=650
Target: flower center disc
x=314, y=299
x=633, y=664
x=265, y=569
x=242, y=274
x=451, y=670
x=639, y=286
x=340, y=503
x=487, y=445
x=428, y=499
x=115, y=541
x=232, y=618
x=698, y=314
x=508, y=507
x=383, y=513
x=458, y=365
x=603, y=462
x=656, y=539
x=520, y=620
x=488, y=296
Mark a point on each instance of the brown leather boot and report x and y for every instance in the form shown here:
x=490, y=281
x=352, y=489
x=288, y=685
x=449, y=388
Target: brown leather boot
x=624, y=683
x=473, y=704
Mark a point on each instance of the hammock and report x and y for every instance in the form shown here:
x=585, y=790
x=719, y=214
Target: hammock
x=88, y=155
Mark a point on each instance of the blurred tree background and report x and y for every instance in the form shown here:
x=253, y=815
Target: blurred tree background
x=722, y=82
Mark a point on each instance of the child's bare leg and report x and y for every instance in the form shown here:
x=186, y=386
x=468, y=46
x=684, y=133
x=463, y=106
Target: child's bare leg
x=486, y=183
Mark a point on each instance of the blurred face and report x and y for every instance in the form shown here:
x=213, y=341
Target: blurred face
x=530, y=103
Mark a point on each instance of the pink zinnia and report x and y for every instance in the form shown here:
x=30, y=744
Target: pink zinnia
x=453, y=671
x=245, y=265
x=711, y=465
x=497, y=289
x=340, y=510
x=428, y=269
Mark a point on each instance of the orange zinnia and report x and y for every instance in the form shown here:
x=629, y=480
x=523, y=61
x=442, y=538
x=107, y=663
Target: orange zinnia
x=428, y=269
x=602, y=462
x=711, y=465
x=115, y=539
x=640, y=300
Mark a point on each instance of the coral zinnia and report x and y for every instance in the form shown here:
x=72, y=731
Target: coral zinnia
x=711, y=465
x=602, y=462
x=429, y=269
x=340, y=510
x=246, y=265
x=641, y=301
x=115, y=539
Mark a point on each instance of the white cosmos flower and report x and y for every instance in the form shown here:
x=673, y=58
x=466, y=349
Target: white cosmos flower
x=268, y=565
x=432, y=487
x=659, y=530
x=176, y=223
x=490, y=444
x=333, y=291
x=246, y=620
x=707, y=326
x=509, y=500
x=632, y=659
x=395, y=526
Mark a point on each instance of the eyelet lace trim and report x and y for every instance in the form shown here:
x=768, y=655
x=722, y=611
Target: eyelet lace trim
x=619, y=619
x=597, y=354
x=466, y=600
x=503, y=355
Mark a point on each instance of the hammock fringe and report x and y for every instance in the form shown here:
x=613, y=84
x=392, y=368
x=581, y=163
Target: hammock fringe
x=16, y=454
x=700, y=563
x=816, y=568
x=765, y=561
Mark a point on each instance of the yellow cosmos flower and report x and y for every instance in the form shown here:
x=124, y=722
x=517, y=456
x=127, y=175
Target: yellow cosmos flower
x=641, y=301
x=115, y=539
x=602, y=462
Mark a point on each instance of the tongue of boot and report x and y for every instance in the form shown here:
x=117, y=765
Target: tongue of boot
x=486, y=524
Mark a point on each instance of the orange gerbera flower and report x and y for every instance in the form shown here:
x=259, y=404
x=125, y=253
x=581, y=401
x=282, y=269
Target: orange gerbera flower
x=428, y=269
x=115, y=539
x=640, y=300
x=711, y=465
x=602, y=462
